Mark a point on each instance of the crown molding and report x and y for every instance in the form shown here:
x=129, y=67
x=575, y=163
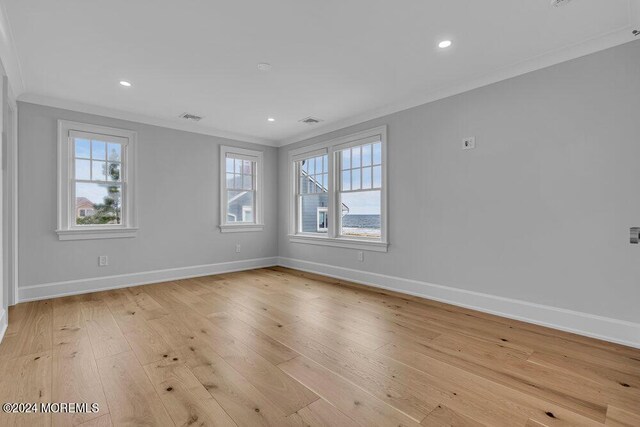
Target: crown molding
x=140, y=118
x=9, y=56
x=548, y=59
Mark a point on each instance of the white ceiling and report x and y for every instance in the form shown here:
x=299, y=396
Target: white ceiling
x=341, y=61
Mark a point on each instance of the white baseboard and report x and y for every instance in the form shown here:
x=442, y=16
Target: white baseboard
x=74, y=287
x=604, y=328
x=4, y=322
x=590, y=325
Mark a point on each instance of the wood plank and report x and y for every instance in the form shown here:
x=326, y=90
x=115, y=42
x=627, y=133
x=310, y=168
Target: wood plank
x=322, y=414
x=104, y=333
x=272, y=350
x=620, y=418
x=442, y=416
x=131, y=397
x=103, y=421
x=74, y=370
x=26, y=379
x=244, y=403
x=349, y=364
x=345, y=396
x=185, y=398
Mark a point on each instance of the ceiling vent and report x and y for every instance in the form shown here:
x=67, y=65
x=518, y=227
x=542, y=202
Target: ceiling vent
x=310, y=120
x=191, y=117
x=558, y=3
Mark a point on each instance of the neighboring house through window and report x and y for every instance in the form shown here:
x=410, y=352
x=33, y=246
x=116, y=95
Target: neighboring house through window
x=240, y=189
x=96, y=185
x=322, y=224
x=339, y=192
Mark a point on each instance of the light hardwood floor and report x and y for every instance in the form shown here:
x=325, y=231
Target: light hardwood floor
x=279, y=347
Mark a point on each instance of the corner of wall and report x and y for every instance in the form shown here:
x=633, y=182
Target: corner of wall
x=4, y=322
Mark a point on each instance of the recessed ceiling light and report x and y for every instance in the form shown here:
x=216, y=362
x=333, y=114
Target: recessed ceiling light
x=125, y=83
x=444, y=44
x=263, y=66
x=271, y=119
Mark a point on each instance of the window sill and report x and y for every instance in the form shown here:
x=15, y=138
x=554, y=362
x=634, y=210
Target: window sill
x=240, y=228
x=91, y=234
x=342, y=242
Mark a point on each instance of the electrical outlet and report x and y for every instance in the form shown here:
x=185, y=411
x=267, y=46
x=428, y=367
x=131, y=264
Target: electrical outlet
x=469, y=143
x=237, y=248
x=103, y=260
x=360, y=256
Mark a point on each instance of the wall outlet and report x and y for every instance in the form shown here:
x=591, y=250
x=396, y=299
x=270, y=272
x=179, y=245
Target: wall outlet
x=469, y=143
x=237, y=248
x=103, y=261
x=360, y=256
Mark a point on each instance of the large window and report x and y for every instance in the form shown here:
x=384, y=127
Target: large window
x=312, y=193
x=360, y=190
x=95, y=182
x=339, y=192
x=240, y=192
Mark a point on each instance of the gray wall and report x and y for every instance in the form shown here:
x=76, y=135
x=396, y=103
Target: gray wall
x=178, y=196
x=539, y=211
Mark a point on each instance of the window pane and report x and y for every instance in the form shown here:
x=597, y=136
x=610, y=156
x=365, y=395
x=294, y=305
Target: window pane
x=377, y=176
x=246, y=167
x=322, y=218
x=308, y=211
x=361, y=214
x=346, y=159
x=248, y=182
x=355, y=157
x=102, y=203
x=99, y=150
x=325, y=181
x=114, y=152
x=238, y=165
x=237, y=181
x=305, y=165
x=312, y=166
x=83, y=169
x=355, y=179
x=98, y=171
x=346, y=180
x=319, y=167
x=325, y=164
x=366, y=155
x=83, y=148
x=366, y=178
x=229, y=164
x=113, y=173
x=230, y=177
x=377, y=153
x=240, y=203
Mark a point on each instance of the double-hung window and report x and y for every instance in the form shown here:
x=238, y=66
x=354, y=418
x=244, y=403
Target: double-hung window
x=96, y=182
x=339, y=192
x=240, y=189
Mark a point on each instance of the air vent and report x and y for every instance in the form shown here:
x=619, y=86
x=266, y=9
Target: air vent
x=310, y=120
x=558, y=3
x=191, y=117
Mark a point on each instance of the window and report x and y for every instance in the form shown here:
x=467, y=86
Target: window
x=240, y=189
x=360, y=190
x=322, y=220
x=339, y=192
x=96, y=188
x=312, y=194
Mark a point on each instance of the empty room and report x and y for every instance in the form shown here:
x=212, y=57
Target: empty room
x=320, y=213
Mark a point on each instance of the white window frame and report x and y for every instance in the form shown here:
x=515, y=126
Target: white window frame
x=320, y=210
x=332, y=237
x=251, y=155
x=67, y=228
